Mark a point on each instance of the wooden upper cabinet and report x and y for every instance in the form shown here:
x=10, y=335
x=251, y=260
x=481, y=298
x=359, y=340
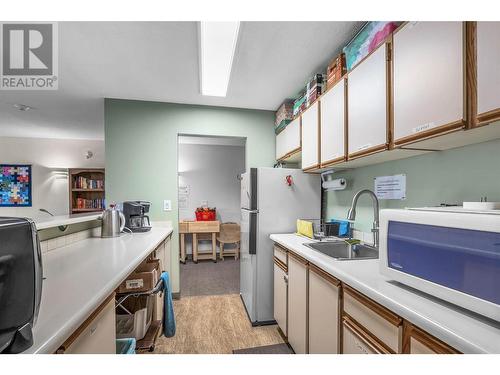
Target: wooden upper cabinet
x=488, y=72
x=310, y=137
x=428, y=80
x=333, y=122
x=367, y=105
x=288, y=140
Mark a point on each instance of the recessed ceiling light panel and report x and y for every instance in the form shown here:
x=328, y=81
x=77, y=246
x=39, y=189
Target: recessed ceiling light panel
x=217, y=46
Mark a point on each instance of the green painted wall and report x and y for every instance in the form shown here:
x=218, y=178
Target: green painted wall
x=452, y=176
x=141, y=150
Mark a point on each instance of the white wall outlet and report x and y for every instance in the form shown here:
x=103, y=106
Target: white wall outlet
x=167, y=205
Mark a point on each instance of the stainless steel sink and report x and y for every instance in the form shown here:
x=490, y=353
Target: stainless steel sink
x=341, y=250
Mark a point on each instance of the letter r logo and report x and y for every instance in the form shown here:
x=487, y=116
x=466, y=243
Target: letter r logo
x=27, y=49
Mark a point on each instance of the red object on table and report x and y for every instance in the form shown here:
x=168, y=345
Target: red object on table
x=203, y=214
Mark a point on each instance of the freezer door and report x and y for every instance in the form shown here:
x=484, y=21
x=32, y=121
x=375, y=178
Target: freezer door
x=248, y=266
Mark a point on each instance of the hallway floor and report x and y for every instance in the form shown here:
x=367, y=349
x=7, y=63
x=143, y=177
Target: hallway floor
x=207, y=278
x=215, y=324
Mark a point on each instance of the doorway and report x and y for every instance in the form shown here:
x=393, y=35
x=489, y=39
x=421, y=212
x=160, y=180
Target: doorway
x=209, y=168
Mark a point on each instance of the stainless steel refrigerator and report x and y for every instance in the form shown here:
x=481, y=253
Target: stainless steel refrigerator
x=269, y=204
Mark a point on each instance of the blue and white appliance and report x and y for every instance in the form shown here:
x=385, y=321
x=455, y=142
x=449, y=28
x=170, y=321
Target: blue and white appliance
x=450, y=253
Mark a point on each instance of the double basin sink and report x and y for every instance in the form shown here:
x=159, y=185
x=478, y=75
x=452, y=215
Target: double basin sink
x=341, y=250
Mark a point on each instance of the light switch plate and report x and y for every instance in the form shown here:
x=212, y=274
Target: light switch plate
x=167, y=205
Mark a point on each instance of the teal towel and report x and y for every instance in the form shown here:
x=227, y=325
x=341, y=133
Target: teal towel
x=168, y=307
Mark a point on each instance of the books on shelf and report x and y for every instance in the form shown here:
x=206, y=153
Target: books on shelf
x=82, y=203
x=87, y=183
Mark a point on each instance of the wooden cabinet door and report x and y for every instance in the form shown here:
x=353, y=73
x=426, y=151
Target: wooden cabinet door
x=367, y=105
x=288, y=141
x=323, y=312
x=280, y=296
x=280, y=145
x=488, y=71
x=310, y=137
x=98, y=336
x=333, y=124
x=297, y=304
x=428, y=79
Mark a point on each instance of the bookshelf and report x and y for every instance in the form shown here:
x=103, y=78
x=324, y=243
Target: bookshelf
x=86, y=190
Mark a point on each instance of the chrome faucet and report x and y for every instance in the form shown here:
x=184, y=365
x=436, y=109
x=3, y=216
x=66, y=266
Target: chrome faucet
x=351, y=215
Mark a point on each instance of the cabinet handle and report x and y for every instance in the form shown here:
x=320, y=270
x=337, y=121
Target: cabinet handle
x=285, y=279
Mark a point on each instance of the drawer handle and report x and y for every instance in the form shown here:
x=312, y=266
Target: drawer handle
x=93, y=329
x=285, y=278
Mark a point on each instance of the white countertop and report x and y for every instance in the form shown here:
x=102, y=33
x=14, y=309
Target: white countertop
x=47, y=221
x=79, y=277
x=463, y=330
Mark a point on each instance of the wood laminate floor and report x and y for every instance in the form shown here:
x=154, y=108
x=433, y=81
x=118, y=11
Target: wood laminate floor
x=215, y=324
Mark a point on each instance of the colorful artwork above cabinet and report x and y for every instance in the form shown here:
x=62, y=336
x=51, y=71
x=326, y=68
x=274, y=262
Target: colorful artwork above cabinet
x=15, y=185
x=367, y=40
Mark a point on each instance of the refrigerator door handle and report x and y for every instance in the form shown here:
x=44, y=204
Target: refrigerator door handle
x=252, y=240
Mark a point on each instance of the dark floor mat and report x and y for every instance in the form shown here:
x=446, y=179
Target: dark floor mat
x=268, y=349
x=207, y=278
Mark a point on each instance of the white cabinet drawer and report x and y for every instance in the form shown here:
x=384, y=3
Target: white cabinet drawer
x=423, y=343
x=356, y=341
x=97, y=335
x=382, y=323
x=280, y=253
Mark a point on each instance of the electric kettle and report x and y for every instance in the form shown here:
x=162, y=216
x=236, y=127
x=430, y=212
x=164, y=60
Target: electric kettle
x=112, y=222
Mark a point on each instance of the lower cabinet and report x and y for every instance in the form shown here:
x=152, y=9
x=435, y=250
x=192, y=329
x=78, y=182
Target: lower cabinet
x=297, y=303
x=97, y=335
x=321, y=314
x=324, y=292
x=355, y=340
x=379, y=322
x=280, y=295
x=420, y=342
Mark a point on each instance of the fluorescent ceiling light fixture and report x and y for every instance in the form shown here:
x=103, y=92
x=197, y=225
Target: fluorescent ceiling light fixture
x=217, y=47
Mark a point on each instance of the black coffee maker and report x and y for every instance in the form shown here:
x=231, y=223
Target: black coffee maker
x=135, y=215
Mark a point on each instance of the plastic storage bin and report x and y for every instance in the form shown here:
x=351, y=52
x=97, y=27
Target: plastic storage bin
x=137, y=323
x=125, y=346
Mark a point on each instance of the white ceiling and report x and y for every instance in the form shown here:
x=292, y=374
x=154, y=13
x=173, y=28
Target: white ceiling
x=158, y=61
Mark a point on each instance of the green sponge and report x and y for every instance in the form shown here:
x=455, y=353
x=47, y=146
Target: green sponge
x=352, y=241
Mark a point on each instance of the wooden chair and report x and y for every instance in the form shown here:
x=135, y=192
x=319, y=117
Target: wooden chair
x=229, y=234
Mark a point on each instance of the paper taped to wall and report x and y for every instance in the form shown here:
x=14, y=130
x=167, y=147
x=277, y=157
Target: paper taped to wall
x=391, y=187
